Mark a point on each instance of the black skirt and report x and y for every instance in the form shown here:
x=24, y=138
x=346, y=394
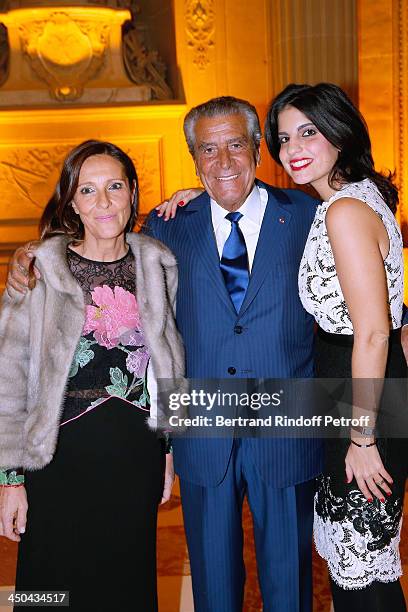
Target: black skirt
x=91, y=527
x=359, y=539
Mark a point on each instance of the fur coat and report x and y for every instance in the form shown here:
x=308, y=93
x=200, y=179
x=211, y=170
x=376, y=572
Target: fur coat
x=39, y=332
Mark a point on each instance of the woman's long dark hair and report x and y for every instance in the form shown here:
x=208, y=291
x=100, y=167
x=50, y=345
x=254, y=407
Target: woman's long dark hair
x=59, y=216
x=341, y=123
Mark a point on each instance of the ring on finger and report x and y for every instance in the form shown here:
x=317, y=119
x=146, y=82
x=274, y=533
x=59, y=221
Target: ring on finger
x=21, y=269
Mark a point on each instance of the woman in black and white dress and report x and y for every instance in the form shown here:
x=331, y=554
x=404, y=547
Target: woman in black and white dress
x=351, y=280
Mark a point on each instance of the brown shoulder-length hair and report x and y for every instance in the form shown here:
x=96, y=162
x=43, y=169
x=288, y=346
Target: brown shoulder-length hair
x=59, y=216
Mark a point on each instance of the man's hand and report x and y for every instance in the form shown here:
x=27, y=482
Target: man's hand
x=13, y=511
x=22, y=272
x=404, y=341
x=168, y=479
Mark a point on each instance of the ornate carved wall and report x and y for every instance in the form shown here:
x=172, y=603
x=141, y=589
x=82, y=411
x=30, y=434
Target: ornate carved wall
x=249, y=50
x=70, y=55
x=32, y=146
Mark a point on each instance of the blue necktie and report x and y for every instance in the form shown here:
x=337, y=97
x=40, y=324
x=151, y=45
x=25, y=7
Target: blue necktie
x=234, y=262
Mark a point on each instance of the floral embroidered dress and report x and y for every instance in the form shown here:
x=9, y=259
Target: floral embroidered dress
x=111, y=357
x=93, y=508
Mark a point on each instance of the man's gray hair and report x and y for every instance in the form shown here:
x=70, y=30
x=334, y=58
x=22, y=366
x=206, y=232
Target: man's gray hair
x=224, y=106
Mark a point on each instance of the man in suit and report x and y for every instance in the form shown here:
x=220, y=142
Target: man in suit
x=250, y=327
x=240, y=316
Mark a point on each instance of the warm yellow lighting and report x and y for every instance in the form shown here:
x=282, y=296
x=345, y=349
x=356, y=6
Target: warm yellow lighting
x=24, y=15
x=57, y=52
x=33, y=146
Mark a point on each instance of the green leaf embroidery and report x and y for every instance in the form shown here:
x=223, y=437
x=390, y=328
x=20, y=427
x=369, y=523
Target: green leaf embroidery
x=82, y=356
x=141, y=402
x=119, y=383
x=10, y=477
x=144, y=397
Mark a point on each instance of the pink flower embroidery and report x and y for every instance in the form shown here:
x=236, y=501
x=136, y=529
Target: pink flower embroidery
x=114, y=315
x=137, y=361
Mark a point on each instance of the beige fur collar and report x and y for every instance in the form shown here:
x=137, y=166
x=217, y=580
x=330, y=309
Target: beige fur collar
x=52, y=259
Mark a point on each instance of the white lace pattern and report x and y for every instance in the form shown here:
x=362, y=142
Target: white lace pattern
x=354, y=556
x=319, y=286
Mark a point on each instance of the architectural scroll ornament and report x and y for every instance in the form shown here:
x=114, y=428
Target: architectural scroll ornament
x=65, y=52
x=68, y=47
x=200, y=22
x=143, y=65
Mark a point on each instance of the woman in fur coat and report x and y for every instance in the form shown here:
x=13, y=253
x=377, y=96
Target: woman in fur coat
x=78, y=445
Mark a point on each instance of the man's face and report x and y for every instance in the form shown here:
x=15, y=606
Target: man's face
x=225, y=159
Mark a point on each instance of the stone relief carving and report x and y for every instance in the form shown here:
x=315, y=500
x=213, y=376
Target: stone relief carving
x=144, y=66
x=65, y=52
x=200, y=22
x=29, y=175
x=85, y=54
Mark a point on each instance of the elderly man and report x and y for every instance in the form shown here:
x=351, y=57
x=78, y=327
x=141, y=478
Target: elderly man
x=238, y=247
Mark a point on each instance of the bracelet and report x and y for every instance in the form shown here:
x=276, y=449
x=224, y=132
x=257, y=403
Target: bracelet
x=364, y=431
x=364, y=445
x=11, y=476
x=8, y=486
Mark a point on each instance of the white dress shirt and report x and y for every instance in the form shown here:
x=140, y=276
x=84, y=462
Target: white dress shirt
x=252, y=210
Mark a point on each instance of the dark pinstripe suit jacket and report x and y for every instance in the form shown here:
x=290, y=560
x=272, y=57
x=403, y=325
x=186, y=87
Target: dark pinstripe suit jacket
x=277, y=333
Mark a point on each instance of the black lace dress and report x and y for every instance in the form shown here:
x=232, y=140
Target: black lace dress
x=91, y=526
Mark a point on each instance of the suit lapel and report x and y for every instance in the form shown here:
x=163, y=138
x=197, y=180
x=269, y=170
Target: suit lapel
x=274, y=228
x=199, y=224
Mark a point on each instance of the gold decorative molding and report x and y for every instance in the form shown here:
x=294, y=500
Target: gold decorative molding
x=28, y=176
x=200, y=28
x=144, y=66
x=68, y=54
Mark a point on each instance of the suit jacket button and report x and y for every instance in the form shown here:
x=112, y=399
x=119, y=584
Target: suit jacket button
x=238, y=329
x=231, y=370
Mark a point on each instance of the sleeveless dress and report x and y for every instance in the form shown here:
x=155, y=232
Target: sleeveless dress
x=359, y=540
x=91, y=527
